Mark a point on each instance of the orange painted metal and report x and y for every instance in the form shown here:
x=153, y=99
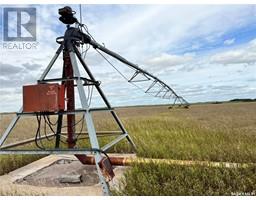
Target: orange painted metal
x=107, y=169
x=118, y=161
x=43, y=98
x=105, y=165
x=70, y=91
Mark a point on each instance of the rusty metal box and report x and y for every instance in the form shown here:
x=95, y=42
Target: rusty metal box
x=43, y=98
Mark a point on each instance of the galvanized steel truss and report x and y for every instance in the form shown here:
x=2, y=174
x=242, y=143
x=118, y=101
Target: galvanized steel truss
x=86, y=111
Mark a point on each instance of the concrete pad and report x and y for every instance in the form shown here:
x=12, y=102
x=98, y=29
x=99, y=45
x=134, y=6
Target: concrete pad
x=33, y=172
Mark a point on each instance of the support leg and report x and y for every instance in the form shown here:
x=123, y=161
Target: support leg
x=89, y=123
x=118, y=121
x=51, y=63
x=16, y=118
x=10, y=127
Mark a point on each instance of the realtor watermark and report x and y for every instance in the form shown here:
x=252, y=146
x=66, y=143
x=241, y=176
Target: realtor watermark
x=19, y=45
x=253, y=193
x=19, y=28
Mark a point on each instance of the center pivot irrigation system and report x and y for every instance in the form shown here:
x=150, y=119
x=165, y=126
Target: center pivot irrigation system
x=57, y=97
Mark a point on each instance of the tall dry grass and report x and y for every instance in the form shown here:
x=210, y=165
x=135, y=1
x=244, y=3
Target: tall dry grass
x=222, y=132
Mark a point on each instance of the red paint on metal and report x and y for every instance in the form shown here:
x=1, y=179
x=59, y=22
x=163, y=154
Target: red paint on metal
x=68, y=73
x=61, y=97
x=70, y=100
x=118, y=161
x=43, y=98
x=107, y=169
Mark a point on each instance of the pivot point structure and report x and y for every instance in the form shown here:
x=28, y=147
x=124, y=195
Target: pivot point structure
x=56, y=96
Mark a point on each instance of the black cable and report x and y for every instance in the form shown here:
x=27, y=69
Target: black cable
x=73, y=124
x=81, y=129
x=82, y=118
x=45, y=129
x=42, y=147
x=49, y=120
x=37, y=131
x=38, y=134
x=63, y=142
x=103, y=152
x=81, y=27
x=49, y=125
x=87, y=31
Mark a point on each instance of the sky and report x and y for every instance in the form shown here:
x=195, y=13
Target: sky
x=204, y=52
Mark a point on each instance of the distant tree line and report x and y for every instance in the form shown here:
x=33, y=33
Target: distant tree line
x=242, y=100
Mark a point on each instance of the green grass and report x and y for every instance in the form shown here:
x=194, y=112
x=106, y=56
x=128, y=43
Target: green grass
x=11, y=162
x=162, y=179
x=223, y=132
x=161, y=137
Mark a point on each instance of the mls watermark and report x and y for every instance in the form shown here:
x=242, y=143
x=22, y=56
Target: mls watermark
x=253, y=193
x=19, y=28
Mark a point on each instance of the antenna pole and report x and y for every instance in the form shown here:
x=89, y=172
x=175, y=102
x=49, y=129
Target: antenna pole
x=80, y=9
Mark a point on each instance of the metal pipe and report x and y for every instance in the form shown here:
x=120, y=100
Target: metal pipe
x=82, y=152
x=130, y=64
x=60, y=117
x=65, y=112
x=97, y=132
x=128, y=161
x=27, y=141
x=123, y=60
x=70, y=93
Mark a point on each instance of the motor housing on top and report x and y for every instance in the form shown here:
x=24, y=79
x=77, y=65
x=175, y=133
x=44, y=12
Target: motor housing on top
x=67, y=15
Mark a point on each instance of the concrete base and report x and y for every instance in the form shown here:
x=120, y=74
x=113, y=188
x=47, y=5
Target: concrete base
x=19, y=182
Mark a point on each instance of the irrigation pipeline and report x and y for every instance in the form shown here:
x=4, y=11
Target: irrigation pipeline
x=129, y=161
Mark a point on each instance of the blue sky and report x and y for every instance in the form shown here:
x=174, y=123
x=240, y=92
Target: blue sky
x=204, y=52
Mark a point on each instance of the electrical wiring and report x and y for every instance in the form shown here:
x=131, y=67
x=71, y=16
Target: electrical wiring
x=46, y=117
x=81, y=129
x=38, y=133
x=75, y=123
x=49, y=120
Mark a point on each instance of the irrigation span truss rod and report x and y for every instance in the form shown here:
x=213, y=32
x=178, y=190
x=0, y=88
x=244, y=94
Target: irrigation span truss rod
x=165, y=91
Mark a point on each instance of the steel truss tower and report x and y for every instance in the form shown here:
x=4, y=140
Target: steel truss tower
x=71, y=78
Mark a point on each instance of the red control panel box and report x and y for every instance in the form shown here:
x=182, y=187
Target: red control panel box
x=43, y=98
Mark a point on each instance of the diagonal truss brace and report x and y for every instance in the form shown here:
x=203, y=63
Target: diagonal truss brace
x=149, y=77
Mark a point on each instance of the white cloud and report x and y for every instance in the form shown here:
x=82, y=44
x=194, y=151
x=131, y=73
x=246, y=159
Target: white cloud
x=229, y=42
x=147, y=35
x=244, y=54
x=153, y=29
x=168, y=60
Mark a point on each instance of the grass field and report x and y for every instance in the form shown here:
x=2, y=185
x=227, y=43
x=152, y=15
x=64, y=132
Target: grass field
x=205, y=132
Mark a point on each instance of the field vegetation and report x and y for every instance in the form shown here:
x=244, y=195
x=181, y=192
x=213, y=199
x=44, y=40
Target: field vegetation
x=205, y=132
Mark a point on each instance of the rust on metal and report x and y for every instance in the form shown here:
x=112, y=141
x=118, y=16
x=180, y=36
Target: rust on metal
x=107, y=169
x=43, y=98
x=70, y=94
x=128, y=161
